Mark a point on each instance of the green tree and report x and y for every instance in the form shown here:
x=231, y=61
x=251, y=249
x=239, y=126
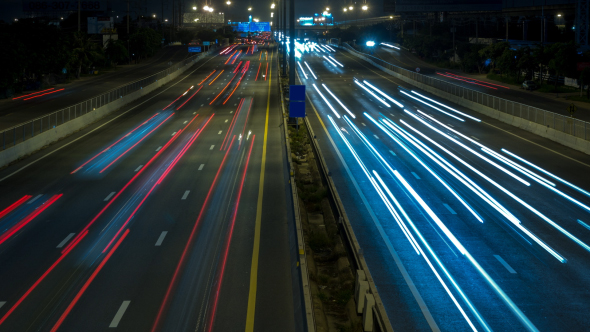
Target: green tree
x=542, y=56
x=525, y=62
x=585, y=81
x=116, y=52
x=494, y=51
x=144, y=43
x=84, y=52
x=185, y=35
x=563, y=61
x=507, y=62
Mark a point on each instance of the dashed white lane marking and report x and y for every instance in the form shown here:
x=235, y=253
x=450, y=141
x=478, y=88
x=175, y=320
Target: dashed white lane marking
x=503, y=262
x=34, y=199
x=449, y=208
x=161, y=238
x=109, y=196
x=219, y=133
x=185, y=122
x=63, y=243
x=226, y=120
x=450, y=125
x=201, y=167
x=416, y=175
x=194, y=112
x=137, y=169
x=158, y=149
x=377, y=137
x=119, y=314
x=393, y=153
x=363, y=124
x=212, y=146
x=185, y=194
x=2, y=303
x=174, y=133
x=475, y=138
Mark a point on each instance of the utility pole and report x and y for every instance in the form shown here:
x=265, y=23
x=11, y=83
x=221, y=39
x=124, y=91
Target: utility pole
x=476, y=31
x=507, y=21
x=79, y=8
x=292, y=42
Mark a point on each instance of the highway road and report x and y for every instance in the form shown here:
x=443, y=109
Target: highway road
x=14, y=112
x=466, y=223
x=172, y=214
x=546, y=101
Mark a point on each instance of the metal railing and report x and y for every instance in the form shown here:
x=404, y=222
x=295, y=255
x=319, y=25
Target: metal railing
x=562, y=123
x=24, y=131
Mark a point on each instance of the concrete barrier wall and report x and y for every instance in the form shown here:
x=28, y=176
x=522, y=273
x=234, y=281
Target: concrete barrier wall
x=550, y=133
x=13, y=153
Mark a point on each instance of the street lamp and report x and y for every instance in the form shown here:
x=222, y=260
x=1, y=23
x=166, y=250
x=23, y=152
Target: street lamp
x=345, y=9
x=272, y=14
x=272, y=6
x=154, y=15
x=327, y=8
x=194, y=7
x=350, y=8
x=365, y=7
x=206, y=8
x=228, y=3
x=249, y=8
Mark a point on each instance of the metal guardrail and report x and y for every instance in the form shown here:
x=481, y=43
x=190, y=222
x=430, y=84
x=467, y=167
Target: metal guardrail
x=562, y=123
x=24, y=131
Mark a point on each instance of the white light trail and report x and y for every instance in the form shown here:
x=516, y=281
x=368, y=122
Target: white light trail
x=325, y=100
x=312, y=74
x=339, y=102
x=341, y=65
x=546, y=172
x=392, y=46
x=436, y=108
x=303, y=71
x=371, y=92
x=384, y=95
x=518, y=178
x=443, y=105
x=330, y=61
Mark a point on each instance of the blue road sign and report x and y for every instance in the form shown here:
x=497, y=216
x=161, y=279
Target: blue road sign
x=205, y=43
x=297, y=93
x=296, y=109
x=194, y=49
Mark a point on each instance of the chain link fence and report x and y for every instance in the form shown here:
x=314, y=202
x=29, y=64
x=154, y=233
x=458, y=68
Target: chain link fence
x=24, y=131
x=562, y=123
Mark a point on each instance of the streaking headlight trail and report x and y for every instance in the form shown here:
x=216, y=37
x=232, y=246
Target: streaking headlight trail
x=507, y=192
x=427, y=104
x=330, y=61
x=312, y=74
x=383, y=94
x=422, y=254
x=388, y=45
x=341, y=65
x=371, y=93
x=338, y=100
x=447, y=107
x=546, y=172
x=326, y=101
x=469, y=149
x=303, y=71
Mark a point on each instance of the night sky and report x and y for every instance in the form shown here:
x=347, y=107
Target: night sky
x=238, y=10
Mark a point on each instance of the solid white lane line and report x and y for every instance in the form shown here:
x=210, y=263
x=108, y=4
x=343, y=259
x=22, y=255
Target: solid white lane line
x=63, y=243
x=119, y=314
x=201, y=167
x=185, y=194
x=174, y=133
x=449, y=208
x=161, y=238
x=393, y=153
x=219, y=133
x=416, y=175
x=212, y=146
x=137, y=169
x=109, y=196
x=158, y=149
x=503, y=262
x=34, y=199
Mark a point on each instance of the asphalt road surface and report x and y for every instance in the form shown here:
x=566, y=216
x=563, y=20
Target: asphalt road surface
x=172, y=214
x=458, y=234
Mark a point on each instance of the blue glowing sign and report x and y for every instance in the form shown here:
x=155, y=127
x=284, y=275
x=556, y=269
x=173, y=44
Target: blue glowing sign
x=194, y=49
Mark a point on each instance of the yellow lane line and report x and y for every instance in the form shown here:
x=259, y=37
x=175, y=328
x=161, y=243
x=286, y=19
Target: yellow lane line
x=255, y=251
